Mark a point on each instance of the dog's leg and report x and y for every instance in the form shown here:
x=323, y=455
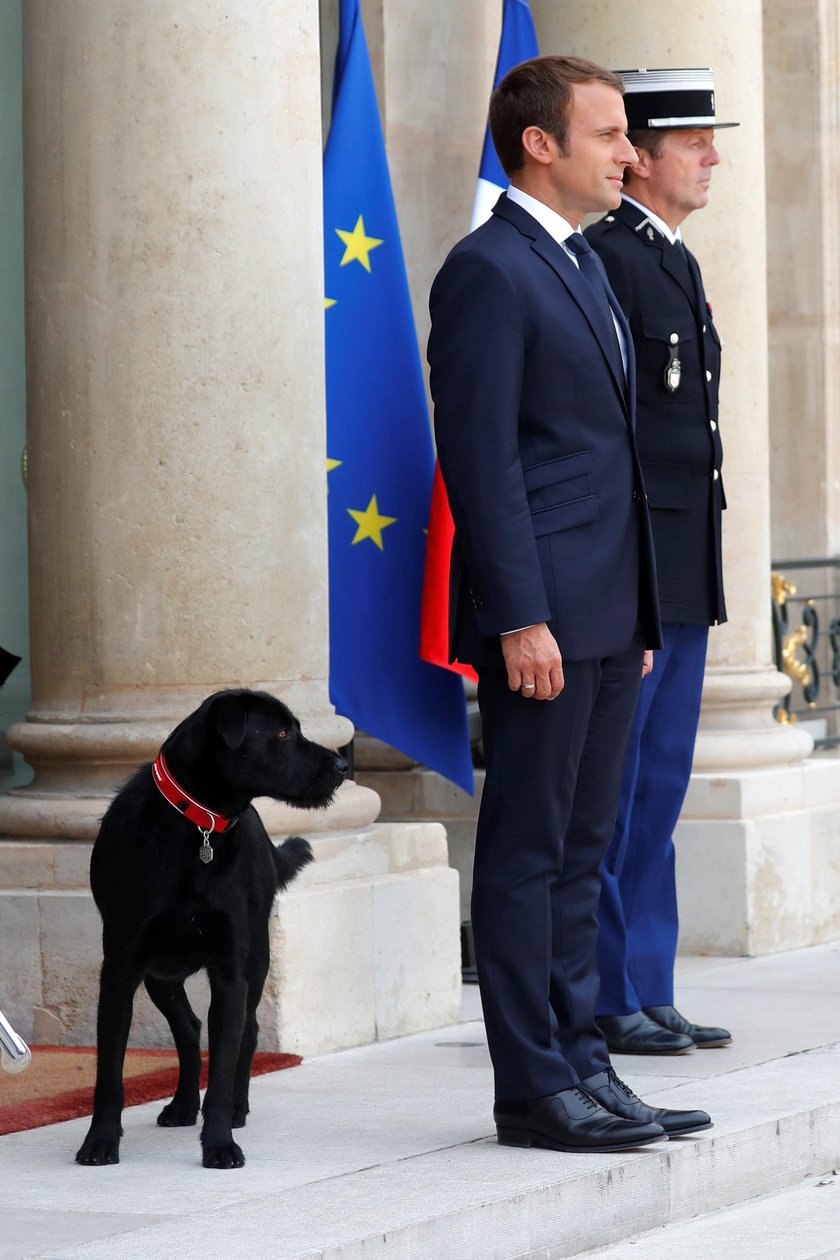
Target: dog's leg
x=116, y=1000
x=256, y=971
x=171, y=1000
x=225, y=1021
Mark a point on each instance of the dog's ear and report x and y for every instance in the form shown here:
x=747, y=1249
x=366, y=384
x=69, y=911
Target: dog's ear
x=231, y=714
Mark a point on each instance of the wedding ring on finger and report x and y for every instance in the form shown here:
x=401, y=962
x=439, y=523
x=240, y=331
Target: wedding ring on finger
x=529, y=687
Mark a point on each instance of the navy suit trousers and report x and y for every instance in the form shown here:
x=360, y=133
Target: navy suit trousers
x=638, y=924
x=547, y=814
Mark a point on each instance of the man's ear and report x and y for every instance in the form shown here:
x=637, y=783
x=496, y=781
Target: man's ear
x=231, y=718
x=641, y=167
x=537, y=145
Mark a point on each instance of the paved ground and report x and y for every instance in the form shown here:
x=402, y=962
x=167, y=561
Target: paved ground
x=387, y=1153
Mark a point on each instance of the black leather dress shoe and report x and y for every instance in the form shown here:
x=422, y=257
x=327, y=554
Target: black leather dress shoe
x=639, y=1034
x=613, y=1095
x=704, y=1038
x=569, y=1121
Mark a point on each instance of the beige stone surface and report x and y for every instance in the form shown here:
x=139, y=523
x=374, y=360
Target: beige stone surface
x=757, y=865
x=418, y=952
x=802, y=57
x=321, y=987
x=435, y=113
x=177, y=484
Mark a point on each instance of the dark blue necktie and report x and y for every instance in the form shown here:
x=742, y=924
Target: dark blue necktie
x=594, y=277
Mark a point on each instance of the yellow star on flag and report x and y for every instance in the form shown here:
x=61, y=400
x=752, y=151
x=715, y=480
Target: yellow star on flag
x=328, y=302
x=333, y=463
x=357, y=245
x=371, y=523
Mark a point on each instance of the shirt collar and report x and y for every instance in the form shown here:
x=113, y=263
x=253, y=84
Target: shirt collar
x=556, y=226
x=659, y=224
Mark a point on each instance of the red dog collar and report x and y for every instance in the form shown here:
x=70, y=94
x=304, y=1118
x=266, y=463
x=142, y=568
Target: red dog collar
x=205, y=819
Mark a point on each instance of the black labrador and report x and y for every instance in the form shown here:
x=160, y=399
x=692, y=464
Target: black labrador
x=184, y=876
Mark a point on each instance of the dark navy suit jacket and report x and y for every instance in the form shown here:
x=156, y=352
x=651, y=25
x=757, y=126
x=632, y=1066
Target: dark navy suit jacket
x=661, y=292
x=534, y=429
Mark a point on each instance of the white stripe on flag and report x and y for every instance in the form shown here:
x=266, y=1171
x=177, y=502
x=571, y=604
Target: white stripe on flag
x=486, y=196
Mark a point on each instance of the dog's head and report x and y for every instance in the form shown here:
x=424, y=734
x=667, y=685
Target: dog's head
x=240, y=744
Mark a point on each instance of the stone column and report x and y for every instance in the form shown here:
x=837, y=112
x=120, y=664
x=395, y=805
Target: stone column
x=749, y=841
x=802, y=126
x=177, y=483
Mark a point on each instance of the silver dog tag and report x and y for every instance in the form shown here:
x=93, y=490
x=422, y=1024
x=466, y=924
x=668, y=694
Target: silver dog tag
x=206, y=851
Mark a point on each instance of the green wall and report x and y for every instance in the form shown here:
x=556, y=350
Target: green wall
x=14, y=634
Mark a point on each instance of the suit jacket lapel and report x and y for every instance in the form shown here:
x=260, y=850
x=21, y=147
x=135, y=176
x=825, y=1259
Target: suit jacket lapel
x=561, y=264
x=578, y=286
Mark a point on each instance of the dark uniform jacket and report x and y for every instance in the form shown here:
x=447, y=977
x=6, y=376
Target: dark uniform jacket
x=661, y=292
x=534, y=425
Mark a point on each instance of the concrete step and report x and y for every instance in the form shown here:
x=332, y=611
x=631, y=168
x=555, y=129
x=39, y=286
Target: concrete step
x=798, y=1224
x=387, y=1152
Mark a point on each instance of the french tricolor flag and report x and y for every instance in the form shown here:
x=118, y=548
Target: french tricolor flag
x=518, y=43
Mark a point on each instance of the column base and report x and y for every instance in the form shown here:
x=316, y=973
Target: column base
x=758, y=859
x=365, y=944
x=737, y=728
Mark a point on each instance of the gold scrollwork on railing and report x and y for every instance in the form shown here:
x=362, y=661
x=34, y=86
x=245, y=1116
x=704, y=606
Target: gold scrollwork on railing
x=781, y=588
x=801, y=639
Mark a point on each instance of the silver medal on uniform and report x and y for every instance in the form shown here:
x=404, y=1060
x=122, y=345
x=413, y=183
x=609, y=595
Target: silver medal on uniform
x=673, y=369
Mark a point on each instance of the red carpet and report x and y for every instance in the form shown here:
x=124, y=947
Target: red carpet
x=59, y=1083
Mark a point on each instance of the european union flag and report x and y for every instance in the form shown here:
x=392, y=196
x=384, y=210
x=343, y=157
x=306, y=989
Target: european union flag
x=379, y=444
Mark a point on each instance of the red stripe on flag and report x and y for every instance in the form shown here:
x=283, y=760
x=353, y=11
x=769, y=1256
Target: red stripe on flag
x=434, y=614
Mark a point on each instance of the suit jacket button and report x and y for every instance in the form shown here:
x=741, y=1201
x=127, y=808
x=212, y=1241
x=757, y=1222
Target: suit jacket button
x=715, y=475
x=637, y=496
x=713, y=426
x=708, y=375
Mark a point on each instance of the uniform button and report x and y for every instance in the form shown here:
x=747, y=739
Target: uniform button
x=713, y=426
x=674, y=338
x=708, y=375
x=715, y=475
x=704, y=328
x=637, y=496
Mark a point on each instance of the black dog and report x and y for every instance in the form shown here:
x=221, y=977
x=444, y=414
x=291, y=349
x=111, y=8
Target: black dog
x=184, y=876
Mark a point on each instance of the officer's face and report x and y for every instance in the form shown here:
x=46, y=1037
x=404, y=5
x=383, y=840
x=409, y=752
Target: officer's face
x=588, y=177
x=680, y=174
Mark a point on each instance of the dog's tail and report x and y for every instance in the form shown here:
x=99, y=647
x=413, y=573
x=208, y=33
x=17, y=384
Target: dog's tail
x=290, y=857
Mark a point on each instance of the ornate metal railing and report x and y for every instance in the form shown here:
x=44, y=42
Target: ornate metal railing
x=806, y=641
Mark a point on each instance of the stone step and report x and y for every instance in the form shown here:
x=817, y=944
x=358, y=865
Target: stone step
x=798, y=1224
x=387, y=1152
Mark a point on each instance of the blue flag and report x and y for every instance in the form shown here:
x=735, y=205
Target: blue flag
x=518, y=42
x=379, y=445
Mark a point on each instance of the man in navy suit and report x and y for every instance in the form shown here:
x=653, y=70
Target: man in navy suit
x=658, y=283
x=553, y=594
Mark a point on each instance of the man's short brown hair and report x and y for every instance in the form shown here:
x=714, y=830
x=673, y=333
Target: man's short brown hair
x=538, y=93
x=650, y=138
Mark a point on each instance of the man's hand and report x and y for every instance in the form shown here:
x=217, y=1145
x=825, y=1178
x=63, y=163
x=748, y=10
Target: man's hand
x=647, y=663
x=534, y=664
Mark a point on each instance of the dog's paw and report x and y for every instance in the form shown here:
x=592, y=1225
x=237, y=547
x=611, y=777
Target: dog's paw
x=98, y=1150
x=177, y=1114
x=222, y=1155
x=239, y=1117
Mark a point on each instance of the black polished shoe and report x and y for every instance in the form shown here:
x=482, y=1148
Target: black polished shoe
x=613, y=1095
x=704, y=1038
x=639, y=1034
x=569, y=1121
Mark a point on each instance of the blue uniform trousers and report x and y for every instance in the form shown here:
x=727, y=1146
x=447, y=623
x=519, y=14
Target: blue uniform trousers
x=637, y=917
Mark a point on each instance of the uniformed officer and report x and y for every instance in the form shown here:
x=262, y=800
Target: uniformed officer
x=671, y=118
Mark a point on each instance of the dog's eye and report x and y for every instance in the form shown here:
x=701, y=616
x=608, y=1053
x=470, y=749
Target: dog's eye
x=283, y=734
